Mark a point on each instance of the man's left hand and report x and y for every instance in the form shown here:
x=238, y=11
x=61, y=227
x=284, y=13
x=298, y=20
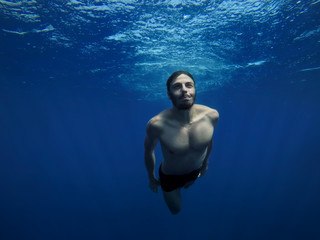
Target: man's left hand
x=203, y=170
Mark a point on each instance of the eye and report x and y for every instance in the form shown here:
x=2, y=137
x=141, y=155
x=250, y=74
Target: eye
x=176, y=86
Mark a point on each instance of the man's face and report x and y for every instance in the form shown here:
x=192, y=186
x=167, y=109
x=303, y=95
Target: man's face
x=182, y=92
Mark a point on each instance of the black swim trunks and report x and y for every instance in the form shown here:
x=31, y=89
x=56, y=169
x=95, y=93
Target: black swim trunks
x=172, y=182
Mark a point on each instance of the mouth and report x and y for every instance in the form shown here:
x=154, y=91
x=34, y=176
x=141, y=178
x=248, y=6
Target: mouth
x=185, y=97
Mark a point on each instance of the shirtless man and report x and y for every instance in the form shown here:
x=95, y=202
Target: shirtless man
x=185, y=133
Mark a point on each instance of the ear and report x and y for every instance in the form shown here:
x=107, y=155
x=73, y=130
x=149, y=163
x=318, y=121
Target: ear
x=169, y=96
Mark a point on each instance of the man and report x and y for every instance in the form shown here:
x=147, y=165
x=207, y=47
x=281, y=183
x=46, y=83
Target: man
x=185, y=133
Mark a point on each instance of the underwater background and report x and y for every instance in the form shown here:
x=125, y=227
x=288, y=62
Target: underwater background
x=79, y=80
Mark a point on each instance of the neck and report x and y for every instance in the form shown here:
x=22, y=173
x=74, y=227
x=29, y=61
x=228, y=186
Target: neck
x=184, y=116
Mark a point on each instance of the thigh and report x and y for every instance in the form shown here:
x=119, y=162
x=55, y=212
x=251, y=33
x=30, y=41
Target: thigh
x=173, y=198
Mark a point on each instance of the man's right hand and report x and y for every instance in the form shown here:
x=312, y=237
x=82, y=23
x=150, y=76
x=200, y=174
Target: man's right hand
x=154, y=184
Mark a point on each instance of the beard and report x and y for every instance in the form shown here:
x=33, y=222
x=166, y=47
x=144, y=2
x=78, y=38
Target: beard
x=183, y=105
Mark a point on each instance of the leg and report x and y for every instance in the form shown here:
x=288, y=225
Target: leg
x=173, y=200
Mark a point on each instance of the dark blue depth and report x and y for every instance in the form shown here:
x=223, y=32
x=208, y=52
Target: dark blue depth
x=72, y=130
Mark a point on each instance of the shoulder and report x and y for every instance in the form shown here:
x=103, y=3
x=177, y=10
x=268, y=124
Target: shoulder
x=155, y=124
x=210, y=113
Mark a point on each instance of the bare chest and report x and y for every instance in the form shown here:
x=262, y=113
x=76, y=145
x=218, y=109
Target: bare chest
x=185, y=139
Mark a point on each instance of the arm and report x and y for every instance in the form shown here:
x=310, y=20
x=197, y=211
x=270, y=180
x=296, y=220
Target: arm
x=150, y=143
x=214, y=116
x=206, y=160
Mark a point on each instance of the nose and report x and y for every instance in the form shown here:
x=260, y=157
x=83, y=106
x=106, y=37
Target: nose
x=184, y=88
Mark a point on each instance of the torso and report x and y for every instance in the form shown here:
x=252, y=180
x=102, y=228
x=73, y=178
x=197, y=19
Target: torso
x=184, y=147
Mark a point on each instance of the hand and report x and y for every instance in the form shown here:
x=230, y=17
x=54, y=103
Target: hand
x=203, y=170
x=154, y=184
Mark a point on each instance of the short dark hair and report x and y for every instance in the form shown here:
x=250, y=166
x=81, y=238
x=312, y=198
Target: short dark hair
x=177, y=74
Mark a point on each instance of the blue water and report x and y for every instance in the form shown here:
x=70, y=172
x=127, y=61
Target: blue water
x=80, y=79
